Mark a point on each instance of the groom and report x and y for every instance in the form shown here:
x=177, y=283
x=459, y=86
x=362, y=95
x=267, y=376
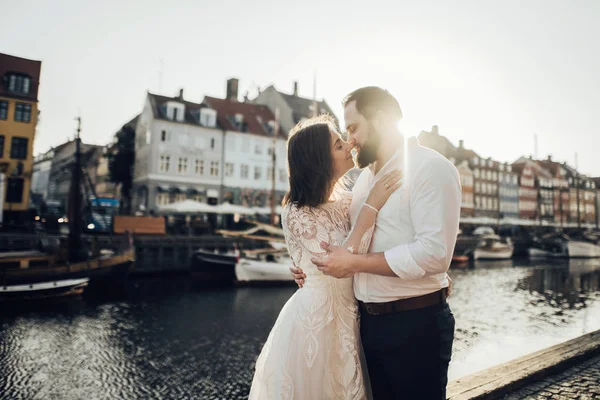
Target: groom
x=407, y=327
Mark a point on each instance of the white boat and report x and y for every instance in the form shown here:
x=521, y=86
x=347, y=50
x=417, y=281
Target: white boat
x=264, y=267
x=560, y=245
x=491, y=247
x=535, y=252
x=581, y=249
x=43, y=290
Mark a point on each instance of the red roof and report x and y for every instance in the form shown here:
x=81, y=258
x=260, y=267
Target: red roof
x=255, y=120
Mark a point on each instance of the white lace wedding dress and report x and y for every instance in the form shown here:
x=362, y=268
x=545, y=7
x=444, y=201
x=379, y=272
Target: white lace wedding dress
x=313, y=351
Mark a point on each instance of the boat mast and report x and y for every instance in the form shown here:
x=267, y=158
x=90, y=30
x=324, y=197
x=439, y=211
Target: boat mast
x=75, y=222
x=273, y=161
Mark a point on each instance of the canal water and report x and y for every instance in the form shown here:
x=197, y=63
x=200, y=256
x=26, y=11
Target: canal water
x=164, y=338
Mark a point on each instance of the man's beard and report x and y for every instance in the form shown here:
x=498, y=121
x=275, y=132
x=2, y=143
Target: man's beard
x=368, y=151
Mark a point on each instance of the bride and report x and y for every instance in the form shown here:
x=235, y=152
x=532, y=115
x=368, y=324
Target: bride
x=314, y=350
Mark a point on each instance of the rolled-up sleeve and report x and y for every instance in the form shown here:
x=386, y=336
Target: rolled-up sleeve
x=435, y=201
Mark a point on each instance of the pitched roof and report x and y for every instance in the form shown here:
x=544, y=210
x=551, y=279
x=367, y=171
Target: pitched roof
x=437, y=142
x=11, y=64
x=159, y=112
x=255, y=117
x=538, y=168
x=302, y=106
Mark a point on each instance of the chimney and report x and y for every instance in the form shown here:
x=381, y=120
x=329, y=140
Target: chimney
x=246, y=99
x=434, y=130
x=461, y=144
x=232, y=89
x=296, y=88
x=549, y=158
x=181, y=94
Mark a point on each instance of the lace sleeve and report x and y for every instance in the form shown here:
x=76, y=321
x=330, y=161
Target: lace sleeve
x=303, y=233
x=359, y=239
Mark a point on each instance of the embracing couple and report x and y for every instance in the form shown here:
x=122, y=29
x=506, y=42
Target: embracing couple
x=371, y=319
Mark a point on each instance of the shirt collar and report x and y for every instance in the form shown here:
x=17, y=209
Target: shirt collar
x=394, y=158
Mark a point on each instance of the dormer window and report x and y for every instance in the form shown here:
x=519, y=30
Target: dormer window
x=208, y=117
x=18, y=83
x=175, y=111
x=238, y=122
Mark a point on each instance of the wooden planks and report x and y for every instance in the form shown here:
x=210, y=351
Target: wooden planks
x=497, y=381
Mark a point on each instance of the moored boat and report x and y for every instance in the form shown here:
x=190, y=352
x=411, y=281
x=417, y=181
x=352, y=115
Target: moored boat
x=43, y=290
x=492, y=247
x=264, y=266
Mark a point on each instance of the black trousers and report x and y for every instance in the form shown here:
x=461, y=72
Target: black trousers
x=408, y=352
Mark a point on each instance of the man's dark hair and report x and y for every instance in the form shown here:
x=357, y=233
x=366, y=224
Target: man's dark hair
x=370, y=99
x=310, y=165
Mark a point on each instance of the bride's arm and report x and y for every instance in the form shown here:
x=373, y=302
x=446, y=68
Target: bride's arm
x=360, y=237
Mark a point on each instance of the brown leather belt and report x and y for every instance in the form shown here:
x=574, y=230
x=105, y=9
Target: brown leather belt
x=413, y=303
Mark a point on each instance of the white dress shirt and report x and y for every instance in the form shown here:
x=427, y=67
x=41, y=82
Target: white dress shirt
x=417, y=227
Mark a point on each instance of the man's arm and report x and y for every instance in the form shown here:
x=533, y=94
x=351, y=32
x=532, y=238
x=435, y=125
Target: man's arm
x=435, y=211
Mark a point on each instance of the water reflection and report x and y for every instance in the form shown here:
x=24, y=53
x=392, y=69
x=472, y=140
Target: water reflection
x=565, y=284
x=167, y=338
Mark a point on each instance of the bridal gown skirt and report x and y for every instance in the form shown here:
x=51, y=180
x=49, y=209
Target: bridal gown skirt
x=313, y=351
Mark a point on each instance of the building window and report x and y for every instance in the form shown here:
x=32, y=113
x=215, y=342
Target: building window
x=3, y=110
x=199, y=167
x=18, y=148
x=228, y=169
x=212, y=143
x=1, y=146
x=214, y=168
x=230, y=143
x=14, y=190
x=257, y=148
x=23, y=112
x=282, y=175
x=257, y=173
x=162, y=198
x=244, y=171
x=182, y=165
x=476, y=173
x=163, y=136
x=165, y=162
x=19, y=83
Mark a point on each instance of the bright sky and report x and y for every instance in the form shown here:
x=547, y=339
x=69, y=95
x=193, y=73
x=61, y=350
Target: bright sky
x=493, y=73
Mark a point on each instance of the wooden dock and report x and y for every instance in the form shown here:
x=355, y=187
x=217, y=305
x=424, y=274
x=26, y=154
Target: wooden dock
x=498, y=381
x=154, y=254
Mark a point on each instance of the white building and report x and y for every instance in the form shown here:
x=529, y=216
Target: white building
x=248, y=131
x=217, y=150
x=40, y=176
x=178, y=153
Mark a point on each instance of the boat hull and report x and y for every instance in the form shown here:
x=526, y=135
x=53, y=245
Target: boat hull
x=254, y=271
x=483, y=254
x=579, y=249
x=100, y=270
x=534, y=252
x=214, y=268
x=43, y=290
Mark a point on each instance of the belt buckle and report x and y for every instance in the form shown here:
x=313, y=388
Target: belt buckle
x=369, y=310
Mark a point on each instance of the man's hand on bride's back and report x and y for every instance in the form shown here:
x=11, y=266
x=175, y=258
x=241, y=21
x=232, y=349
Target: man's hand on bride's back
x=298, y=275
x=383, y=188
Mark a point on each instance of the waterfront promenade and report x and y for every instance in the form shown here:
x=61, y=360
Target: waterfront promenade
x=535, y=374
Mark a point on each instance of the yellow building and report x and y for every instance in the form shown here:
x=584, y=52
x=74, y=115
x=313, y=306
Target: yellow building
x=19, y=83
